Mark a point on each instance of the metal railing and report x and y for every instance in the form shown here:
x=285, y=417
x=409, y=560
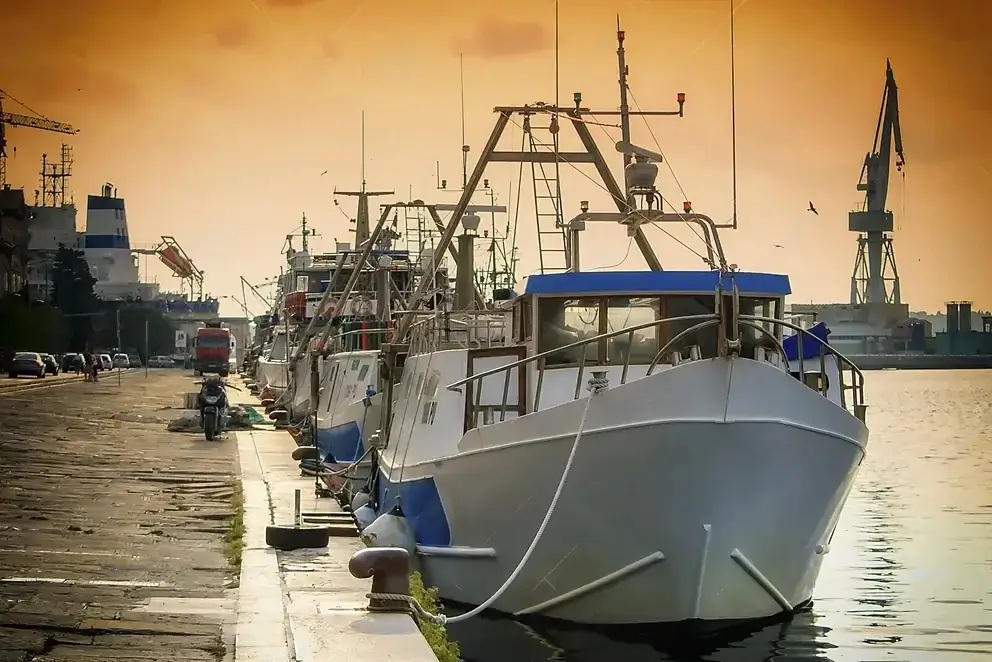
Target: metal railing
x=672, y=351
x=468, y=329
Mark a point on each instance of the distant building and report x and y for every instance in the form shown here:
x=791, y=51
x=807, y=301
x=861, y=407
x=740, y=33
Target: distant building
x=50, y=228
x=14, y=238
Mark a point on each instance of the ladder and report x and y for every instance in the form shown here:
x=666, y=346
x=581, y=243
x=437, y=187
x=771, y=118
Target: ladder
x=551, y=235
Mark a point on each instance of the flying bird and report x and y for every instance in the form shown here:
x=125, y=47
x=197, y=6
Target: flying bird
x=812, y=208
x=778, y=245
x=323, y=173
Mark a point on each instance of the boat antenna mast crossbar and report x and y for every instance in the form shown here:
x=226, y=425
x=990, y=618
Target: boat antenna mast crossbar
x=591, y=153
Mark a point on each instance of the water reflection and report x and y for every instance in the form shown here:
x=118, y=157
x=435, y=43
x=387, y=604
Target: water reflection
x=909, y=575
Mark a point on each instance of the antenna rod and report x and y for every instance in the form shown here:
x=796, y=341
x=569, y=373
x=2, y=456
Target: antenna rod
x=628, y=158
x=363, y=149
x=733, y=109
x=461, y=77
x=557, y=95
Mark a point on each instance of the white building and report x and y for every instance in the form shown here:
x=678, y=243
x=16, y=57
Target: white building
x=107, y=247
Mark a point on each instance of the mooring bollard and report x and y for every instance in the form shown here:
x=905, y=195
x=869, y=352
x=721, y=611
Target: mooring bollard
x=389, y=568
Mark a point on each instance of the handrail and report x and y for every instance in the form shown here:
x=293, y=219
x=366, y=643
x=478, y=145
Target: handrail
x=702, y=321
x=857, y=388
x=579, y=343
x=799, y=329
x=685, y=332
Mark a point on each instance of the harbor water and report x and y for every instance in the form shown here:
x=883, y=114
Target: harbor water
x=909, y=574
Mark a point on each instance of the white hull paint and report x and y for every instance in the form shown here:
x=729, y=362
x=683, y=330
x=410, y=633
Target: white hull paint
x=709, y=490
x=349, y=410
x=274, y=375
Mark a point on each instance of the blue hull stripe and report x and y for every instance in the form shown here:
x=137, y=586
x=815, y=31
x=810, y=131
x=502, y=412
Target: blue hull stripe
x=421, y=504
x=341, y=443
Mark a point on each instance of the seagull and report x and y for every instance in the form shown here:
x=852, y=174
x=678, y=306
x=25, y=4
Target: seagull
x=325, y=172
x=778, y=245
x=812, y=208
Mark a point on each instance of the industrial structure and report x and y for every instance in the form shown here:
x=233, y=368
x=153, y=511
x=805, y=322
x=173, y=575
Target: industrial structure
x=32, y=122
x=875, y=280
x=873, y=320
x=875, y=328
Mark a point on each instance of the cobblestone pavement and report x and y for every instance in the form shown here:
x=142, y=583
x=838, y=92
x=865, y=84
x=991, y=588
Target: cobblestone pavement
x=112, y=530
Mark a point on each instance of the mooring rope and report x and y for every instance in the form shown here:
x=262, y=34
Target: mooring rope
x=595, y=386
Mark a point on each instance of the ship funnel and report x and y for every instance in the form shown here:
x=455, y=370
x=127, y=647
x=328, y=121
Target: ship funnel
x=108, y=190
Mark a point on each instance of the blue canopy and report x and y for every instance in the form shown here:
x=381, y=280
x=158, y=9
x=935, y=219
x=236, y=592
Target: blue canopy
x=809, y=347
x=598, y=283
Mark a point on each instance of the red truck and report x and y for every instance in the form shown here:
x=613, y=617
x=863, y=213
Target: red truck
x=212, y=350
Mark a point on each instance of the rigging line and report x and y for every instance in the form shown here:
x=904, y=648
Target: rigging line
x=733, y=108
x=636, y=211
x=668, y=165
x=712, y=32
x=7, y=95
x=630, y=243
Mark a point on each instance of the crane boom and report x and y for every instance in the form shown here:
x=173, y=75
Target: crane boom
x=28, y=121
x=875, y=279
x=13, y=119
x=875, y=172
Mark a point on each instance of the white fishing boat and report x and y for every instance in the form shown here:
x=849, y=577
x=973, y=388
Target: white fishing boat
x=622, y=447
x=273, y=365
x=360, y=289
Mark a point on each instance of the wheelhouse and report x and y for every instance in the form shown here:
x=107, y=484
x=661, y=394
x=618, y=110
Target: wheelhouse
x=560, y=310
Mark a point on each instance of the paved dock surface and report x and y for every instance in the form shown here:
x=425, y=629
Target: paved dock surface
x=111, y=528
x=305, y=605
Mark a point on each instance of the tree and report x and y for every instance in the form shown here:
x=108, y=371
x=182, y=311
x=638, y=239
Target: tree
x=29, y=327
x=132, y=317
x=72, y=293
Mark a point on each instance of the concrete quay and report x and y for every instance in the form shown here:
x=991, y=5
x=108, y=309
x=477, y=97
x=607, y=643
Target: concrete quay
x=305, y=605
x=112, y=529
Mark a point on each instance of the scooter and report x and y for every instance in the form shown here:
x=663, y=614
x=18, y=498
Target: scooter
x=214, y=406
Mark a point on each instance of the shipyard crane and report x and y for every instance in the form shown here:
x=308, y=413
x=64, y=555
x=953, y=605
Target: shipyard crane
x=29, y=121
x=875, y=279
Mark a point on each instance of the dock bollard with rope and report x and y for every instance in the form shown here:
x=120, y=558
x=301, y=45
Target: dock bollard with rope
x=391, y=592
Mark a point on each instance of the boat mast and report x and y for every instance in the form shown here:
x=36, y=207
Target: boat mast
x=590, y=154
x=628, y=158
x=470, y=286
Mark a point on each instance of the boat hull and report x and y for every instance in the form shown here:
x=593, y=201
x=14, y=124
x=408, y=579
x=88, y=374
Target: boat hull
x=274, y=376
x=343, y=438
x=708, y=491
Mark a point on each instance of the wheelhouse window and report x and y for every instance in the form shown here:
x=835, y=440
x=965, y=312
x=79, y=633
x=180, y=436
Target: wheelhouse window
x=685, y=305
x=566, y=321
x=752, y=337
x=640, y=346
x=523, y=321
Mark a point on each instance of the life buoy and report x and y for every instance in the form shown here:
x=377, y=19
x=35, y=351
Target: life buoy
x=328, y=308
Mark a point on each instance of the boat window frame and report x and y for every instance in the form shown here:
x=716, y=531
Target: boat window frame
x=664, y=304
x=596, y=359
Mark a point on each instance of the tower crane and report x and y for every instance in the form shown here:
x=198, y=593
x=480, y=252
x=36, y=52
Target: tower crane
x=875, y=279
x=29, y=121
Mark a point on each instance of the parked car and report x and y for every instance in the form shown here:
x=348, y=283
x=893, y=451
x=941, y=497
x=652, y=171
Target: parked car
x=106, y=363
x=134, y=360
x=27, y=363
x=160, y=362
x=51, y=365
x=72, y=362
x=121, y=361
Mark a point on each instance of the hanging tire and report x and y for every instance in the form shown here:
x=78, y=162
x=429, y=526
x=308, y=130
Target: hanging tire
x=287, y=538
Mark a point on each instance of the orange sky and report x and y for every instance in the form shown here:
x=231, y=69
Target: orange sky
x=215, y=119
